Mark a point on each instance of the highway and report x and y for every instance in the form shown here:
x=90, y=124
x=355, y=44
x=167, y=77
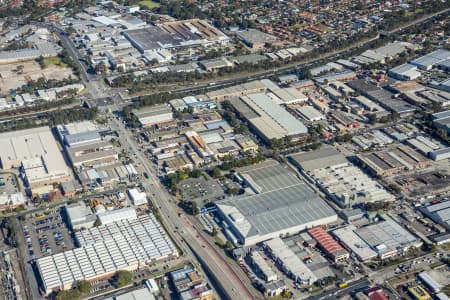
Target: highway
x=177, y=225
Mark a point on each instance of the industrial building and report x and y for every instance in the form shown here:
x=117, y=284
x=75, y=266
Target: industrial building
x=36, y=152
x=439, y=213
x=394, y=160
x=326, y=242
x=189, y=285
x=117, y=215
x=175, y=35
x=430, y=282
x=256, y=39
x=287, y=95
x=267, y=118
x=10, y=201
x=289, y=262
x=80, y=216
x=405, y=72
x=104, y=250
x=309, y=113
x=92, y=155
x=280, y=204
x=352, y=242
x=80, y=133
x=345, y=183
x=265, y=270
x=428, y=61
x=387, y=238
x=137, y=197
x=154, y=115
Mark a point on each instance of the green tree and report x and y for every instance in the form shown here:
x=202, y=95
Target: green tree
x=74, y=294
x=123, y=278
x=228, y=245
x=97, y=223
x=216, y=172
x=84, y=286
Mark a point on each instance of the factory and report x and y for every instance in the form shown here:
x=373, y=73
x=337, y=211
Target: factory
x=92, y=155
x=267, y=118
x=394, y=160
x=290, y=263
x=175, y=35
x=104, y=250
x=326, y=242
x=430, y=282
x=387, y=238
x=352, y=242
x=154, y=115
x=137, y=197
x=35, y=151
x=268, y=274
x=79, y=133
x=309, y=113
x=256, y=39
x=287, y=96
x=441, y=120
x=345, y=183
x=80, y=216
x=279, y=204
x=428, y=61
x=405, y=72
x=439, y=213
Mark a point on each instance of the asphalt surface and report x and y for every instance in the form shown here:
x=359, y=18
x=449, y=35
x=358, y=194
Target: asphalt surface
x=231, y=285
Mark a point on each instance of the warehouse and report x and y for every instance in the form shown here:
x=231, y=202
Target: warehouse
x=343, y=182
x=154, y=115
x=428, y=61
x=329, y=245
x=79, y=216
x=310, y=114
x=430, y=282
x=440, y=154
x=394, y=160
x=388, y=238
x=92, y=155
x=287, y=96
x=177, y=34
x=255, y=39
x=269, y=119
x=263, y=267
x=282, y=204
x=104, y=250
x=290, y=263
x=137, y=197
x=117, y=215
x=405, y=72
x=439, y=213
x=352, y=242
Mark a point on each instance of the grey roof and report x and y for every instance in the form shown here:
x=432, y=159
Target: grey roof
x=387, y=100
x=269, y=176
x=318, y=159
x=276, y=210
x=82, y=137
x=432, y=58
x=442, y=114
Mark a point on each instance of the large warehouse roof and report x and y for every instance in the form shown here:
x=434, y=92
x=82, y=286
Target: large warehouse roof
x=387, y=237
x=348, y=237
x=29, y=144
x=288, y=205
x=318, y=159
x=106, y=249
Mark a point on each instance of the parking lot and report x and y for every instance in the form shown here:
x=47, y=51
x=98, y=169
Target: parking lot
x=8, y=183
x=200, y=189
x=46, y=234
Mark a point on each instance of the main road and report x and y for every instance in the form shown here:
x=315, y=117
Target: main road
x=181, y=230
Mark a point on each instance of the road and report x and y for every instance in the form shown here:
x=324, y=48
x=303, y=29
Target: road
x=337, y=292
x=231, y=285
x=292, y=67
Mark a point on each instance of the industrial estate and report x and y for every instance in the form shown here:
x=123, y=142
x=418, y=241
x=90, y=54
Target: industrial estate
x=174, y=149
